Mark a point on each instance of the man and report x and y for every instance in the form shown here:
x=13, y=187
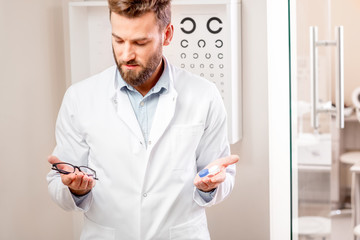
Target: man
x=146, y=128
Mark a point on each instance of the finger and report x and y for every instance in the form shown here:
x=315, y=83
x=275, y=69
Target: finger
x=52, y=159
x=93, y=182
x=226, y=161
x=202, y=186
x=67, y=179
x=76, y=183
x=208, y=186
x=88, y=182
x=198, y=181
x=212, y=186
x=206, y=180
x=84, y=182
x=218, y=178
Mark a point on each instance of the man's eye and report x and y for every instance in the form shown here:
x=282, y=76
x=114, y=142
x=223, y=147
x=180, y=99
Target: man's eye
x=119, y=41
x=140, y=43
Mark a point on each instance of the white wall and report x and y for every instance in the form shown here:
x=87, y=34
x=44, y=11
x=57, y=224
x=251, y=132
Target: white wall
x=32, y=83
x=259, y=207
x=245, y=214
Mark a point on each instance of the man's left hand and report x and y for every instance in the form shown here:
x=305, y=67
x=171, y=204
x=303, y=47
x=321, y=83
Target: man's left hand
x=207, y=184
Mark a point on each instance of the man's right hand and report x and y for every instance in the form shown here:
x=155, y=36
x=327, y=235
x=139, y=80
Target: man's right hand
x=78, y=182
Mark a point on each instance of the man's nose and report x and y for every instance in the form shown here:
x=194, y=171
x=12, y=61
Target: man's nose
x=128, y=53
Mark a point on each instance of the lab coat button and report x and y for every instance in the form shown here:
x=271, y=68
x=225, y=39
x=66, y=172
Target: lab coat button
x=141, y=103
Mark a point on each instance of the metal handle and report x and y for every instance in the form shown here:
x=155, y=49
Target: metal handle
x=314, y=77
x=315, y=106
x=339, y=32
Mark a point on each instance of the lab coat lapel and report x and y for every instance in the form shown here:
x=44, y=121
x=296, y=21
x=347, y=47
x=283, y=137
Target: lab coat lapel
x=127, y=115
x=164, y=114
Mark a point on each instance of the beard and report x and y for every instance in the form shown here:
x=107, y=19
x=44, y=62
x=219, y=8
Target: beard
x=138, y=78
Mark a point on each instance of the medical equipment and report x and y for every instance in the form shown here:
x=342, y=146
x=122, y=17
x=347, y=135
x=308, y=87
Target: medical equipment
x=207, y=42
x=209, y=171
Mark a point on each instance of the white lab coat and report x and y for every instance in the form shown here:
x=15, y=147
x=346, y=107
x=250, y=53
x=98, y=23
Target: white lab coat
x=142, y=193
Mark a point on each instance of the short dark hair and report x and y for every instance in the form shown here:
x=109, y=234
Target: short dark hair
x=136, y=8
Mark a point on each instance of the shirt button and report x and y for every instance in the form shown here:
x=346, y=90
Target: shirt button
x=141, y=103
x=149, y=142
x=145, y=194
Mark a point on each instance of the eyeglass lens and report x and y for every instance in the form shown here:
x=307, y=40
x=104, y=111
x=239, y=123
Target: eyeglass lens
x=64, y=167
x=87, y=171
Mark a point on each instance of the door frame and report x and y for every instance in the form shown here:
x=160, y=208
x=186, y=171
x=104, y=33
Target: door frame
x=279, y=89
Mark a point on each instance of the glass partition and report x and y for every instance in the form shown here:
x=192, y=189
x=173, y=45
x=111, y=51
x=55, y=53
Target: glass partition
x=325, y=116
x=315, y=175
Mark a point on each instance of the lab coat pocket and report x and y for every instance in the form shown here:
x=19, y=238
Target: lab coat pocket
x=184, y=142
x=195, y=229
x=94, y=231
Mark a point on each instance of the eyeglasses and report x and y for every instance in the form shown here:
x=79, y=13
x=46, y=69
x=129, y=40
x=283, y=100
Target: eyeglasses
x=67, y=168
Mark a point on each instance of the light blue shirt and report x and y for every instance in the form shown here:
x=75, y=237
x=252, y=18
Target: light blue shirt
x=145, y=106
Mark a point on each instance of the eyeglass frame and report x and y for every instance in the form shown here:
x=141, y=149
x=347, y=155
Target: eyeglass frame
x=54, y=167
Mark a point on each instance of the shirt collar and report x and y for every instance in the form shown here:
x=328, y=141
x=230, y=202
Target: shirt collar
x=161, y=86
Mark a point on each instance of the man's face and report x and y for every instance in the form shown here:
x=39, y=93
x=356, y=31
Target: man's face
x=137, y=46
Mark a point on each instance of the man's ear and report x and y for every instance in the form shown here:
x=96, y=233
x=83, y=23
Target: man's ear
x=168, y=34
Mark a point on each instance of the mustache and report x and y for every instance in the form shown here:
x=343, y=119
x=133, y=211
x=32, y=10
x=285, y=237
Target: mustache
x=131, y=62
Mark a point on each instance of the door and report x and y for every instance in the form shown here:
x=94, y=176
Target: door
x=317, y=117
